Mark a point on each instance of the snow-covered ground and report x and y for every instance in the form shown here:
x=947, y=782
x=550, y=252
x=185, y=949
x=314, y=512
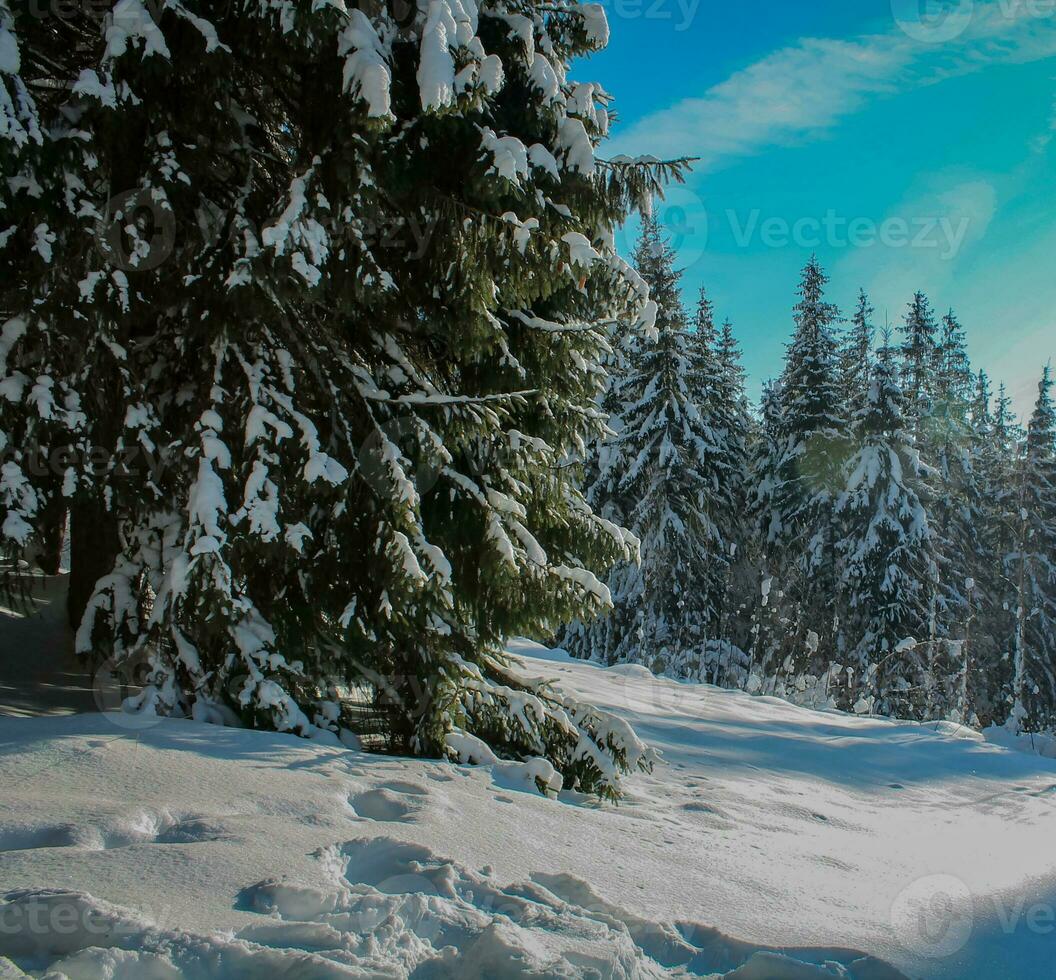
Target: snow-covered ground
x=770, y=842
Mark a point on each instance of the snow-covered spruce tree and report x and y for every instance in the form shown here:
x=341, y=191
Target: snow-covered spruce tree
x=767, y=462
x=329, y=293
x=734, y=415
x=919, y=352
x=716, y=387
x=736, y=615
x=1008, y=440
x=991, y=619
x=600, y=462
x=856, y=356
x=705, y=372
x=887, y=559
x=595, y=638
x=804, y=477
x=955, y=505
x=733, y=374
x=1033, y=564
x=660, y=458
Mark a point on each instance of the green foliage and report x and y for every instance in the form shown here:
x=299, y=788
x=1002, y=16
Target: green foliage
x=337, y=291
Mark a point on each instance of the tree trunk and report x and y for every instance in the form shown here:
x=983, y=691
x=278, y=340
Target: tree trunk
x=94, y=544
x=52, y=535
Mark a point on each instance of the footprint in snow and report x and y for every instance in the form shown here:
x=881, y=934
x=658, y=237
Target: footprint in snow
x=529, y=925
x=698, y=808
x=141, y=828
x=389, y=803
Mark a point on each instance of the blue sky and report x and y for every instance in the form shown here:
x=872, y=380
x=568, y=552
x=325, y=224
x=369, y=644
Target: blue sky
x=910, y=143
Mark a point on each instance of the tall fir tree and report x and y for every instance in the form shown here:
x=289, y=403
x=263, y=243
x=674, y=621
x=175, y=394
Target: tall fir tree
x=660, y=462
x=856, y=356
x=991, y=622
x=767, y=462
x=954, y=377
x=331, y=294
x=919, y=354
x=1033, y=565
x=919, y=368
x=741, y=429
x=704, y=331
x=733, y=373
x=715, y=381
x=888, y=557
x=804, y=478
x=956, y=505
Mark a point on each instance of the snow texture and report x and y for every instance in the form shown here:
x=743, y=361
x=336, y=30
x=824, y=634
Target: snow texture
x=186, y=849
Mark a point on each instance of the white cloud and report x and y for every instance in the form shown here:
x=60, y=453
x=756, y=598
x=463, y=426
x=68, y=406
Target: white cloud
x=800, y=91
x=1041, y=142
x=796, y=90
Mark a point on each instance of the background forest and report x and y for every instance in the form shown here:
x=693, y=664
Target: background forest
x=879, y=537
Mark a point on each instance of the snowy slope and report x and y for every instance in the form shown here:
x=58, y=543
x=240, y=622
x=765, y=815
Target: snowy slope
x=182, y=849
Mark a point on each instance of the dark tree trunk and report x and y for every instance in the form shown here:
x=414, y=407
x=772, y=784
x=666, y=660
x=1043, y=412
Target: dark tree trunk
x=52, y=536
x=94, y=544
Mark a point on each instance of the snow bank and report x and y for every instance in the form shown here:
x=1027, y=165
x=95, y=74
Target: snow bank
x=1035, y=744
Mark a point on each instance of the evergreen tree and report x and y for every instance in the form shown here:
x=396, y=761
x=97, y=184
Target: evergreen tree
x=767, y=462
x=733, y=373
x=661, y=460
x=888, y=557
x=1008, y=432
x=740, y=430
x=331, y=294
x=956, y=506
x=715, y=381
x=735, y=405
x=1034, y=566
x=856, y=356
x=992, y=626
x=954, y=376
x=704, y=332
x=981, y=416
x=919, y=354
x=804, y=477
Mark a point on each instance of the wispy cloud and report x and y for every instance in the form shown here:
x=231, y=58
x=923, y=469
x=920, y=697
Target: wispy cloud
x=1041, y=142
x=803, y=90
x=793, y=92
